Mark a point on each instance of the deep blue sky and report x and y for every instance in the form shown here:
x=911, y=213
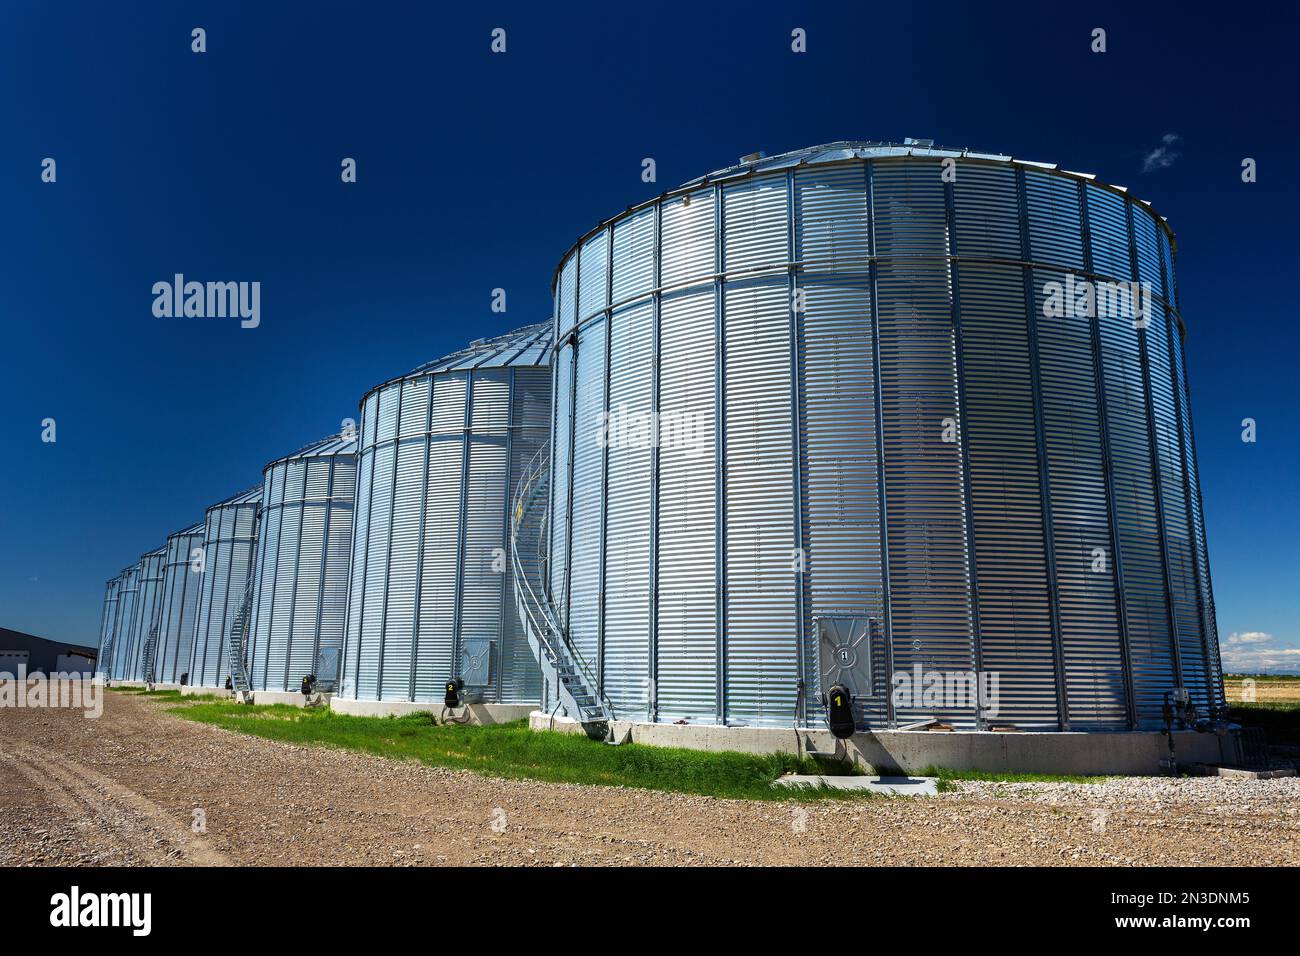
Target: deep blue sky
x=477, y=171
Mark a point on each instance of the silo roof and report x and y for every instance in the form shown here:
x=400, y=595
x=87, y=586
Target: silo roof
x=528, y=346
x=321, y=448
x=246, y=496
x=843, y=151
x=192, y=529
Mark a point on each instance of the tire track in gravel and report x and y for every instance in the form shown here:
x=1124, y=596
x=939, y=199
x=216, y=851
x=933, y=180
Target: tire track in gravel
x=134, y=821
x=142, y=770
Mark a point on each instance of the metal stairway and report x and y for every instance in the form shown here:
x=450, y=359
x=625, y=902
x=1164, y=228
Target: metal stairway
x=150, y=650
x=237, y=644
x=104, y=663
x=570, y=680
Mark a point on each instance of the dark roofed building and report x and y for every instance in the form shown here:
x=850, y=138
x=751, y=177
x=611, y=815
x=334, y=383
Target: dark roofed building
x=40, y=655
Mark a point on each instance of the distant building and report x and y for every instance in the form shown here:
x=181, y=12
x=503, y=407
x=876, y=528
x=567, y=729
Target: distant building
x=37, y=654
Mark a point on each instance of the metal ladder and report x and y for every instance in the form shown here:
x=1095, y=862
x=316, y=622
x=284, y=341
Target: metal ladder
x=105, y=662
x=237, y=642
x=150, y=650
x=570, y=679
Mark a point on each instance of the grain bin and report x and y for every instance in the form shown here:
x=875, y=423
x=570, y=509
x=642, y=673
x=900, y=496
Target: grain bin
x=127, y=590
x=182, y=583
x=846, y=415
x=108, y=625
x=430, y=596
x=304, y=549
x=144, y=615
x=230, y=538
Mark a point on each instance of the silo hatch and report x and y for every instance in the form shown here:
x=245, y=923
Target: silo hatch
x=476, y=662
x=327, y=668
x=844, y=652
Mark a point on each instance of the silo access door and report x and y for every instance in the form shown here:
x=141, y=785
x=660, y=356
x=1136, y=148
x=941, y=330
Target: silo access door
x=844, y=656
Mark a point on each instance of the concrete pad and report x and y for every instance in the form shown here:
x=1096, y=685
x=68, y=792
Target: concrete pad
x=1131, y=753
x=478, y=713
x=889, y=786
x=1243, y=774
x=192, y=690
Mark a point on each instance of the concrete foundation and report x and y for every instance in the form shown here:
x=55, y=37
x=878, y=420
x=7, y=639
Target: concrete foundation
x=191, y=690
x=478, y=713
x=1136, y=753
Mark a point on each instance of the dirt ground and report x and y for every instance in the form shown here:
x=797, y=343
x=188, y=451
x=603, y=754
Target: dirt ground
x=124, y=790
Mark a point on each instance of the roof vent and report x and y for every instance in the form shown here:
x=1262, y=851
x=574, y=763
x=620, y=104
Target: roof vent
x=476, y=343
x=754, y=157
x=924, y=143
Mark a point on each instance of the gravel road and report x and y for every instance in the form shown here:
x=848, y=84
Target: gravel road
x=126, y=790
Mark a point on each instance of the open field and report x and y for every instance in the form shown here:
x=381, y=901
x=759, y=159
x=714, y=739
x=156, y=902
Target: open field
x=125, y=789
x=1262, y=690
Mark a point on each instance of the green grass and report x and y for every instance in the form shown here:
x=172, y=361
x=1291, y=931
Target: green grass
x=513, y=751
x=170, y=695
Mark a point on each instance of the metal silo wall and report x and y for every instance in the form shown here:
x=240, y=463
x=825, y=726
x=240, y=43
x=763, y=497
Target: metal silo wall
x=127, y=596
x=1139, y=552
x=107, y=625
x=585, y=494
x=180, y=605
x=687, y=609
x=625, y=620
x=439, y=458
x=230, y=540
x=925, y=504
x=145, y=614
x=1054, y=537
x=839, y=433
x=1074, y=445
x=304, y=547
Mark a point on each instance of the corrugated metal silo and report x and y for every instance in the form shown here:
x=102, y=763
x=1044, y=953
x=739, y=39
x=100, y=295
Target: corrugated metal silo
x=304, y=550
x=182, y=583
x=127, y=592
x=108, y=625
x=430, y=594
x=144, y=614
x=230, y=539
x=815, y=421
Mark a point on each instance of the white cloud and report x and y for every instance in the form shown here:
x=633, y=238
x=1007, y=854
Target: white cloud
x=1254, y=652
x=1249, y=637
x=1163, y=156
